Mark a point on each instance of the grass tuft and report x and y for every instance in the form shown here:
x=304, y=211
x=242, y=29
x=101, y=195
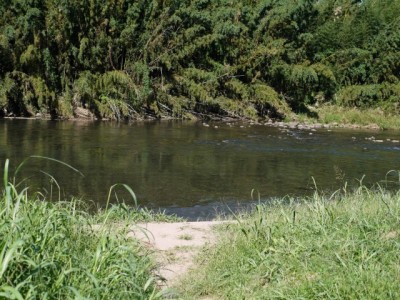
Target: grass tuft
x=341, y=247
x=53, y=250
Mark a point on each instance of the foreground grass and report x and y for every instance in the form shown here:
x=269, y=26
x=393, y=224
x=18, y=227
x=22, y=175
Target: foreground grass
x=342, y=248
x=56, y=251
x=329, y=114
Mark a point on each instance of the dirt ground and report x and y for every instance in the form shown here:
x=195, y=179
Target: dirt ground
x=175, y=244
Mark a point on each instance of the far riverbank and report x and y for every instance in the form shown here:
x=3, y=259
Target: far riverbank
x=326, y=116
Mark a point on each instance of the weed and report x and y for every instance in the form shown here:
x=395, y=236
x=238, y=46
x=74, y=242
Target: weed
x=51, y=250
x=343, y=246
x=186, y=237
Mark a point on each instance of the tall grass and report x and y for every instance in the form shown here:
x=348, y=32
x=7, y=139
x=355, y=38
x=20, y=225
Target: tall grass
x=345, y=246
x=329, y=114
x=54, y=251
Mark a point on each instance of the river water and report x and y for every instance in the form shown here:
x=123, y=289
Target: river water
x=189, y=169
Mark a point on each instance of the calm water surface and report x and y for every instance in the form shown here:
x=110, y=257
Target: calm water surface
x=189, y=169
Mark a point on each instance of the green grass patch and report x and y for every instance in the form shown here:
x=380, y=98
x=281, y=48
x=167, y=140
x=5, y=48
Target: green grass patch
x=329, y=114
x=122, y=212
x=186, y=237
x=340, y=247
x=58, y=251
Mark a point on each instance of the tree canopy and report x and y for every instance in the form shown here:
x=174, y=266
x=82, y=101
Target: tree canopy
x=126, y=58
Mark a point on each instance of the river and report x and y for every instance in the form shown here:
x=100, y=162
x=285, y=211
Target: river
x=189, y=169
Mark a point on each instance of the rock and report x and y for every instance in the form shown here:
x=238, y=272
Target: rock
x=317, y=125
x=83, y=113
x=373, y=126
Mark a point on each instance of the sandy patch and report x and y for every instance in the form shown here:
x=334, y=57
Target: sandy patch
x=175, y=244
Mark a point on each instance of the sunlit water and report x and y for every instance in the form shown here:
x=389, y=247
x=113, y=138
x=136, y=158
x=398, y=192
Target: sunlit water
x=189, y=169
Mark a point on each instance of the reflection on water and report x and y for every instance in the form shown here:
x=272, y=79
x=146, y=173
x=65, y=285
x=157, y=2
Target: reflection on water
x=189, y=168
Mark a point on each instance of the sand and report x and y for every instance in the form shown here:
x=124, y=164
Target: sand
x=175, y=245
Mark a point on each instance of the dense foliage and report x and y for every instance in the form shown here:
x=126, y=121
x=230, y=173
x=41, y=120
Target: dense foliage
x=125, y=58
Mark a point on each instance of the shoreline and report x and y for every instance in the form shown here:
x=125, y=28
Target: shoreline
x=270, y=123
x=316, y=241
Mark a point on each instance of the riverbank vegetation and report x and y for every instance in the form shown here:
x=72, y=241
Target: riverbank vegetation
x=351, y=117
x=343, y=246
x=56, y=250
x=249, y=59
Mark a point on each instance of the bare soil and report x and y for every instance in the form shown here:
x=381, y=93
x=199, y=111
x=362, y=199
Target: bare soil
x=175, y=245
